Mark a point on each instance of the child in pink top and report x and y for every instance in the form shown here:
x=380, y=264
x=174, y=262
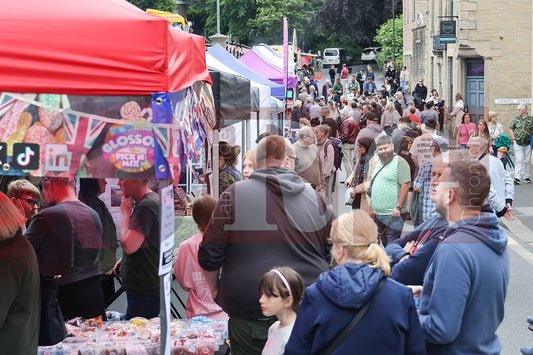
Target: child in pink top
x=189, y=273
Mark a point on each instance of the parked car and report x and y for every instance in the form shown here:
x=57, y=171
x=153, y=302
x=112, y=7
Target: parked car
x=336, y=57
x=369, y=54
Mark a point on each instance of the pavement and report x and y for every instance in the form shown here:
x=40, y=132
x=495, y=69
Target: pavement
x=522, y=226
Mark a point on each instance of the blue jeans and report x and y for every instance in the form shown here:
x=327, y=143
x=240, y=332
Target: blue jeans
x=142, y=306
x=389, y=227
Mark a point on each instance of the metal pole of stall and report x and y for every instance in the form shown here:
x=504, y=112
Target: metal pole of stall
x=393, y=35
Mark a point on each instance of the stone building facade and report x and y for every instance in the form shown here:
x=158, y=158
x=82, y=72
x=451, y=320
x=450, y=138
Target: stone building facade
x=491, y=62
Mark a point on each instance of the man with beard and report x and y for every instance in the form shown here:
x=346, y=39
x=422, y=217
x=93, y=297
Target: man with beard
x=389, y=187
x=462, y=301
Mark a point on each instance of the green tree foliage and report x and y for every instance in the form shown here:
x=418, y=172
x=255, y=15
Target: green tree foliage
x=268, y=23
x=163, y=5
x=319, y=24
x=358, y=19
x=385, y=39
x=235, y=17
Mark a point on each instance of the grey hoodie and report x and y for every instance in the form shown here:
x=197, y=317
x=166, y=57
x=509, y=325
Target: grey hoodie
x=272, y=219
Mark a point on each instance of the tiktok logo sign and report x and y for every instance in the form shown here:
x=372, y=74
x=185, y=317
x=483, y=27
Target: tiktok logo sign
x=25, y=156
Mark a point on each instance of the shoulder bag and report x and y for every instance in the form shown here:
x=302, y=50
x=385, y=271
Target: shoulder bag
x=369, y=191
x=354, y=321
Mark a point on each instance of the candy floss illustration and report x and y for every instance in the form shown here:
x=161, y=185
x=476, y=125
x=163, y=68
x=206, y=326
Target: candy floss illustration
x=130, y=147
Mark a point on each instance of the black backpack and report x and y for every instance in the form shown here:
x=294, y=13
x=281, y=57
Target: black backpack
x=337, y=148
x=405, y=145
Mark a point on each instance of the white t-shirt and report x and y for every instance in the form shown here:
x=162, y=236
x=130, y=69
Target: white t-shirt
x=277, y=339
x=421, y=147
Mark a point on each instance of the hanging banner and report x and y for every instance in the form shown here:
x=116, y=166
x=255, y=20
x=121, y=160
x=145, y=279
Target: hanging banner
x=166, y=230
x=130, y=148
x=285, y=51
x=100, y=136
x=447, y=31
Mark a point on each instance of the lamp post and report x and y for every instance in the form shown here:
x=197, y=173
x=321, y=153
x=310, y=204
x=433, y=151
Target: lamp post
x=218, y=16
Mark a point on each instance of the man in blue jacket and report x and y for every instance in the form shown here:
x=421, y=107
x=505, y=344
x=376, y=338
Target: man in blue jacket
x=462, y=302
x=411, y=254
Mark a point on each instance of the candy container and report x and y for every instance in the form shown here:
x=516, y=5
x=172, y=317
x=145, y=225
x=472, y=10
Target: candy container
x=139, y=322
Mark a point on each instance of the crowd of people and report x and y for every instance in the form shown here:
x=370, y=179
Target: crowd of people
x=272, y=256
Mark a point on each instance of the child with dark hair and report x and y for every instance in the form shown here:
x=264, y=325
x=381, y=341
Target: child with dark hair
x=188, y=272
x=282, y=291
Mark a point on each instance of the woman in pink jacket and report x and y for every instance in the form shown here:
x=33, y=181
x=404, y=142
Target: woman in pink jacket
x=187, y=270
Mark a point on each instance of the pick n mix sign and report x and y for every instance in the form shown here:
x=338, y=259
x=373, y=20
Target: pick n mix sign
x=130, y=148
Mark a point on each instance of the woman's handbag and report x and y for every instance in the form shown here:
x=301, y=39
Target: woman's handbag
x=348, y=199
x=52, y=327
x=354, y=321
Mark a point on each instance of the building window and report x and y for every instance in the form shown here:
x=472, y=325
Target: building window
x=475, y=68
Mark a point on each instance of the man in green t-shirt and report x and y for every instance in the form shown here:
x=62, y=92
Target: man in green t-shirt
x=352, y=85
x=391, y=178
x=520, y=132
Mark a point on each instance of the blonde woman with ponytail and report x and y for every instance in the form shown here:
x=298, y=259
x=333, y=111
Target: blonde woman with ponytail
x=390, y=325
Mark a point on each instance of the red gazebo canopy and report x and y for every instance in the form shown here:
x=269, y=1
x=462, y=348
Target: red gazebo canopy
x=94, y=47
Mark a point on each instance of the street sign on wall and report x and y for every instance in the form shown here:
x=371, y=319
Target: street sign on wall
x=512, y=101
x=437, y=44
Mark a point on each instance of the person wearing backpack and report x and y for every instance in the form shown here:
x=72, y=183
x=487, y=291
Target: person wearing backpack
x=326, y=150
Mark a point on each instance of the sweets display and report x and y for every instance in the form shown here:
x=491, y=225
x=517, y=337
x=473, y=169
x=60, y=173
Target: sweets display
x=197, y=336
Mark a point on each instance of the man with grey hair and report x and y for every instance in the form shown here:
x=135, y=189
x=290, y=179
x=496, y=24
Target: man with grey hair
x=303, y=95
x=520, y=132
x=501, y=192
x=272, y=219
x=308, y=164
x=389, y=186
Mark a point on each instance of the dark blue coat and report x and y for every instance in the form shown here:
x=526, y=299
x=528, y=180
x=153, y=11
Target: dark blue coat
x=389, y=327
x=411, y=270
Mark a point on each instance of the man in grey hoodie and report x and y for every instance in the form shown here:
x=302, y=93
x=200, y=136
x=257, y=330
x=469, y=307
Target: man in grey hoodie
x=271, y=219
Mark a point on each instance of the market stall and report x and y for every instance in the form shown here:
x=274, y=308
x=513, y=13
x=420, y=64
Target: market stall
x=273, y=58
x=270, y=114
x=94, y=88
x=112, y=56
x=259, y=94
x=219, y=53
x=258, y=64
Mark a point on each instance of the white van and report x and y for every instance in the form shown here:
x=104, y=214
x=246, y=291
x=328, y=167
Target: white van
x=336, y=56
